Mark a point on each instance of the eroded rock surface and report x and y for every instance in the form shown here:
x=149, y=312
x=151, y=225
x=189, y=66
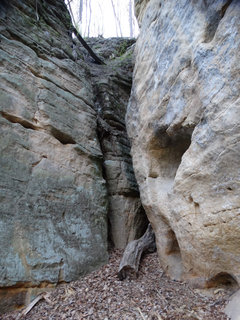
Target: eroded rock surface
x=54, y=197
x=112, y=89
x=183, y=121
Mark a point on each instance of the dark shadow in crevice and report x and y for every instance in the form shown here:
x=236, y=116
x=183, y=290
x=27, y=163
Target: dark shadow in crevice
x=222, y=279
x=169, y=250
x=62, y=137
x=213, y=22
x=166, y=155
x=4, y=6
x=14, y=119
x=173, y=246
x=224, y=8
x=173, y=255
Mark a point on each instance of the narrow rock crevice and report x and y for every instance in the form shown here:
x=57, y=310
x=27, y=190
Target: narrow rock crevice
x=62, y=137
x=224, y=8
x=173, y=246
x=213, y=22
x=126, y=217
x=169, y=250
x=15, y=119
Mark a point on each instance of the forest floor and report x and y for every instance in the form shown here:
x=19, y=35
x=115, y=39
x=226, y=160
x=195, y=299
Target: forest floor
x=152, y=296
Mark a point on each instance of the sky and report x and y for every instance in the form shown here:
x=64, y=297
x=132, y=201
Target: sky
x=102, y=21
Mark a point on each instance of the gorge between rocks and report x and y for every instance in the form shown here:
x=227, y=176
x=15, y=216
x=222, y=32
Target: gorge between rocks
x=90, y=154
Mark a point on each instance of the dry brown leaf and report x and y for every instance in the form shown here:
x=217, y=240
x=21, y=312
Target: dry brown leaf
x=100, y=295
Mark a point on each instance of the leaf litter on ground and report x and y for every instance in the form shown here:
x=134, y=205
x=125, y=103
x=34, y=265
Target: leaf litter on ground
x=152, y=296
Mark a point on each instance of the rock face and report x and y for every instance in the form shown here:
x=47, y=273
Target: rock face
x=112, y=89
x=54, y=196
x=183, y=121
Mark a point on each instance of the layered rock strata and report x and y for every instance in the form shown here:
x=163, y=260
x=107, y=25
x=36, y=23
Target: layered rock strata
x=183, y=121
x=54, y=197
x=112, y=89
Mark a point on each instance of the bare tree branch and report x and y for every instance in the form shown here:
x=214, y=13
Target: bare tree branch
x=130, y=18
x=81, y=40
x=117, y=18
x=86, y=46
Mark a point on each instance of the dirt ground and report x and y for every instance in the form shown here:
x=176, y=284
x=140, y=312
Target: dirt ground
x=152, y=296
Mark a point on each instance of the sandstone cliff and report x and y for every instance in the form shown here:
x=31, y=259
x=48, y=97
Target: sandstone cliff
x=65, y=167
x=183, y=121
x=112, y=88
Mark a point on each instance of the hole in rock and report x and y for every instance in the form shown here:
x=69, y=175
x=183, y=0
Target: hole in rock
x=62, y=137
x=190, y=199
x=222, y=279
x=166, y=155
x=170, y=251
x=224, y=8
x=173, y=246
x=197, y=207
x=165, y=150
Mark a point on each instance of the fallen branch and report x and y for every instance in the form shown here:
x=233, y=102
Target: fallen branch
x=41, y=296
x=86, y=46
x=131, y=257
x=81, y=40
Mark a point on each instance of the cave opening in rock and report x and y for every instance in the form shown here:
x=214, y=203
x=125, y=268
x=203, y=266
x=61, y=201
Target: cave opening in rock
x=222, y=279
x=166, y=156
x=173, y=246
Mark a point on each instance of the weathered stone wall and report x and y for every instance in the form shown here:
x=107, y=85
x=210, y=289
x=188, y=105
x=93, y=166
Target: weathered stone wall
x=112, y=90
x=140, y=7
x=183, y=121
x=54, y=198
